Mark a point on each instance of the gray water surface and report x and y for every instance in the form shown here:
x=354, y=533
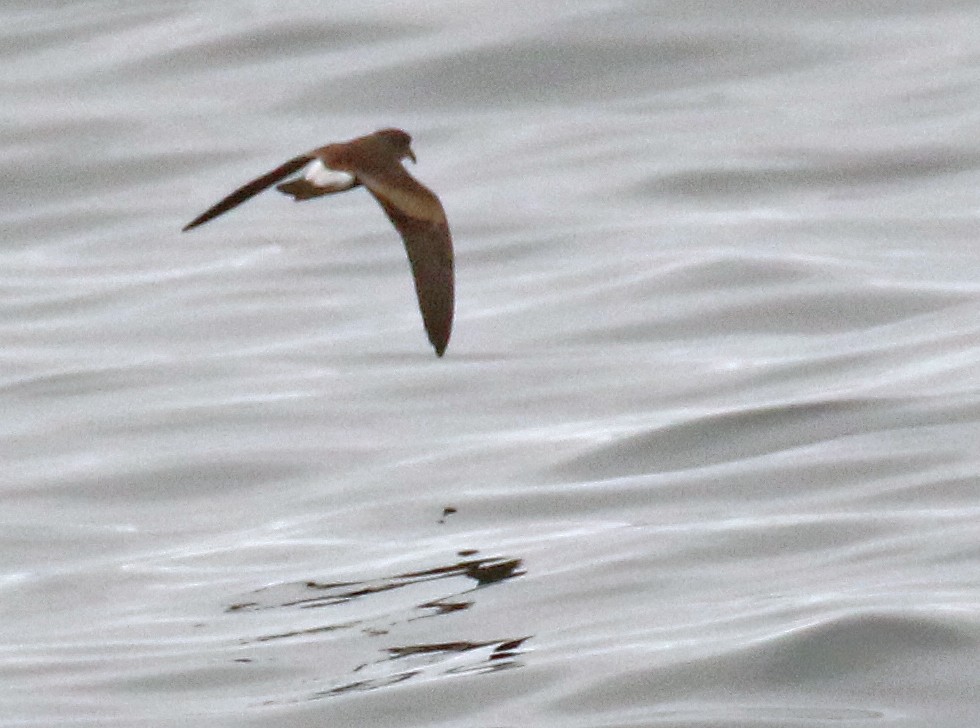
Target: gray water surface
x=702, y=451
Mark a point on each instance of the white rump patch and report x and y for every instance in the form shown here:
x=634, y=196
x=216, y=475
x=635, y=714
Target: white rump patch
x=320, y=175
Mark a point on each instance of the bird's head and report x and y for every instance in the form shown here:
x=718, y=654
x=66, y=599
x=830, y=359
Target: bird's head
x=400, y=142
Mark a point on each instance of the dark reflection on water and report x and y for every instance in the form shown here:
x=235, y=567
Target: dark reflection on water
x=455, y=657
x=483, y=571
x=467, y=658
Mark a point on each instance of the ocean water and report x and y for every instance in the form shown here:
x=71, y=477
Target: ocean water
x=703, y=450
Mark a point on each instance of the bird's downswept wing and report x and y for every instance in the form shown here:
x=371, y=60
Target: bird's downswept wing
x=430, y=251
x=251, y=189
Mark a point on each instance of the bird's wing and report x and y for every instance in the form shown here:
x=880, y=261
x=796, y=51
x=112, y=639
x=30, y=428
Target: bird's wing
x=251, y=189
x=423, y=226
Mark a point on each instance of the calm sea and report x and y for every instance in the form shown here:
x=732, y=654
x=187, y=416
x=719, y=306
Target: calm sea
x=703, y=450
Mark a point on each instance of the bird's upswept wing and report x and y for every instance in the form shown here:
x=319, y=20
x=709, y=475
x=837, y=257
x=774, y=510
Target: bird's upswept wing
x=251, y=189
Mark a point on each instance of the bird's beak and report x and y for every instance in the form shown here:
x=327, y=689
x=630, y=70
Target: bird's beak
x=411, y=155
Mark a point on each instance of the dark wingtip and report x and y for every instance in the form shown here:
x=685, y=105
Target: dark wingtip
x=199, y=220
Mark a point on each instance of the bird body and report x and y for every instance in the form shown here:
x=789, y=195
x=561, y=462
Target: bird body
x=375, y=161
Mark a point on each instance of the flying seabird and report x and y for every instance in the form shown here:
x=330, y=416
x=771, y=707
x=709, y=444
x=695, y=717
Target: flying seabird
x=375, y=161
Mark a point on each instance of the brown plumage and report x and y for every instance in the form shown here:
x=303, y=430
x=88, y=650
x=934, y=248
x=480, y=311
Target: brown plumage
x=375, y=161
